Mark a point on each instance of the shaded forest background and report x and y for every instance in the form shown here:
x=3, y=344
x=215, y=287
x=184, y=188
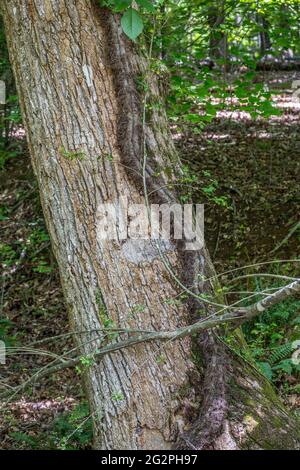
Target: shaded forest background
x=228, y=71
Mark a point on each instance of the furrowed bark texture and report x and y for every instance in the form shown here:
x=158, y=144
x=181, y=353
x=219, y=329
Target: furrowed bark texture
x=70, y=106
x=77, y=79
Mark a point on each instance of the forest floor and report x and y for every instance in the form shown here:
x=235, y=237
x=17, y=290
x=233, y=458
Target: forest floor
x=251, y=214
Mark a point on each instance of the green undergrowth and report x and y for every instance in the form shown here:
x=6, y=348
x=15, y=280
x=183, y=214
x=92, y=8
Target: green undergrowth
x=71, y=430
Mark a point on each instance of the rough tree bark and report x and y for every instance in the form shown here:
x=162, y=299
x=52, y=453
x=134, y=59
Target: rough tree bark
x=79, y=81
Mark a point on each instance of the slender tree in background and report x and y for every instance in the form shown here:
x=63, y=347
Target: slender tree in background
x=264, y=37
x=79, y=81
x=217, y=37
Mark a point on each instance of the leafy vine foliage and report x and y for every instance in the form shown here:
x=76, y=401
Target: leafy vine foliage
x=131, y=21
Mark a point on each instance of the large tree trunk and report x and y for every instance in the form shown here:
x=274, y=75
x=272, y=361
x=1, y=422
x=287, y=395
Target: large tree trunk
x=77, y=77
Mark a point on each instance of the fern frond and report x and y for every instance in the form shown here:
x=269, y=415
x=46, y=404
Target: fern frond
x=281, y=352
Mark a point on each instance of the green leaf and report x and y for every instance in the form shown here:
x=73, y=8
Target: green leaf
x=132, y=23
x=120, y=5
x=146, y=4
x=194, y=118
x=266, y=369
x=285, y=366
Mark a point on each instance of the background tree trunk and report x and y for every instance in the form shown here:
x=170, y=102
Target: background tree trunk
x=218, y=39
x=77, y=80
x=264, y=37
